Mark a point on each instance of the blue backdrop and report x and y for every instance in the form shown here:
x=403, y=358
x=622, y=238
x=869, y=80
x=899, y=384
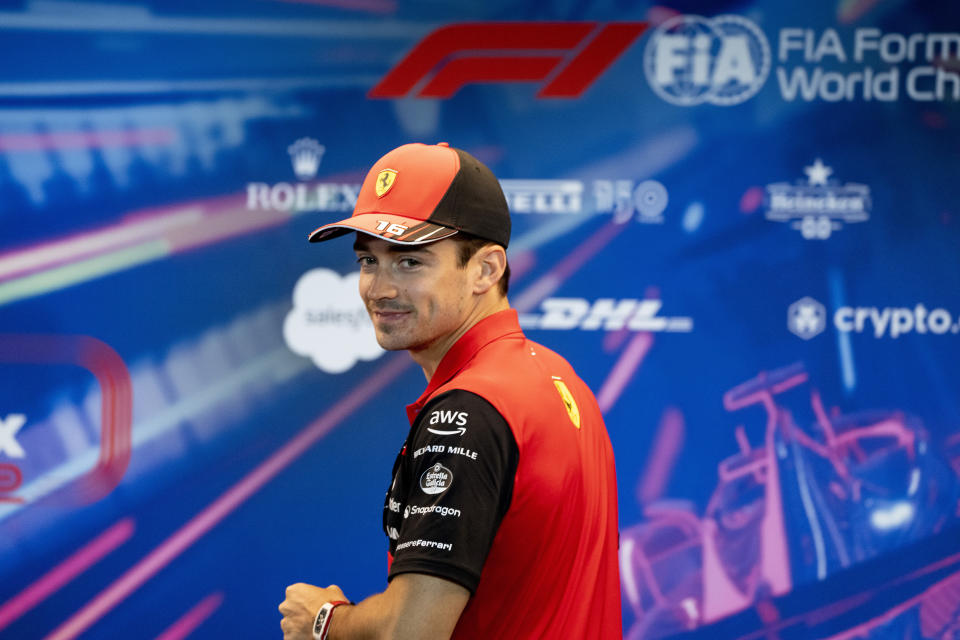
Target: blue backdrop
x=737, y=220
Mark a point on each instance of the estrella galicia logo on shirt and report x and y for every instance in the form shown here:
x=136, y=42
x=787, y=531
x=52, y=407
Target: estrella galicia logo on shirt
x=440, y=417
x=436, y=479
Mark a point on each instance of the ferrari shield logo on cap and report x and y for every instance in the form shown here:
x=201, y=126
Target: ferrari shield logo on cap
x=385, y=180
x=568, y=402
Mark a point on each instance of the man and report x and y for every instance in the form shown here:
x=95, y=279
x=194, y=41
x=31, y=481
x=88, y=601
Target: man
x=502, y=512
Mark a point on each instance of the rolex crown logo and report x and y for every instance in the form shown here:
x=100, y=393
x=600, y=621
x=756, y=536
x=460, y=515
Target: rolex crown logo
x=305, y=155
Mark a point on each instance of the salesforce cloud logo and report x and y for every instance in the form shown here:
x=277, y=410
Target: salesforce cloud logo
x=691, y=60
x=328, y=322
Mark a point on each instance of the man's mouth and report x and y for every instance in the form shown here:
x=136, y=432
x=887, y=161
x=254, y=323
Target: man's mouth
x=389, y=315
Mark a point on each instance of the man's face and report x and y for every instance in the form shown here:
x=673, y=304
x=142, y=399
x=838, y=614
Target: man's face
x=415, y=295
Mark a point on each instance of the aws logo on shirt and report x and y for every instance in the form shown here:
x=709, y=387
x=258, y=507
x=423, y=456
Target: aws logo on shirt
x=440, y=417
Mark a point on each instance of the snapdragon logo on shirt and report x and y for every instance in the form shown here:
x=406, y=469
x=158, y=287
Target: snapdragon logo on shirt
x=807, y=318
x=414, y=510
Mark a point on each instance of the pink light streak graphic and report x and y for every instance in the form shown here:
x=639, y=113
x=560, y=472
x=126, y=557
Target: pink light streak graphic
x=183, y=227
x=624, y=369
x=849, y=11
x=751, y=200
x=56, y=578
x=551, y=281
x=847, y=604
x=193, y=618
x=663, y=456
x=85, y=139
x=224, y=505
x=938, y=613
x=861, y=630
x=382, y=7
x=89, y=243
x=370, y=6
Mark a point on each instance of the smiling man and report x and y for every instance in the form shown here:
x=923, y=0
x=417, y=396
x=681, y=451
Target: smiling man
x=501, y=512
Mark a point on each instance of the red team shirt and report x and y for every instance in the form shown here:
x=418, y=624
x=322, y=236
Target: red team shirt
x=506, y=485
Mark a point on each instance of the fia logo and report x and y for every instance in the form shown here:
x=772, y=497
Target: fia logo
x=305, y=155
x=690, y=60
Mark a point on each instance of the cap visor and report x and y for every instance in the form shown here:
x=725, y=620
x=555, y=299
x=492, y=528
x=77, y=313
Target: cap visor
x=391, y=228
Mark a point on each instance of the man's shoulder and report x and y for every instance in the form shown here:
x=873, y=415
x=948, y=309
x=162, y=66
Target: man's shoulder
x=515, y=361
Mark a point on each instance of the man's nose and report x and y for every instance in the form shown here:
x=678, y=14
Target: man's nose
x=380, y=286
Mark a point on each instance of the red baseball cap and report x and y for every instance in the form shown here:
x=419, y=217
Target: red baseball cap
x=421, y=193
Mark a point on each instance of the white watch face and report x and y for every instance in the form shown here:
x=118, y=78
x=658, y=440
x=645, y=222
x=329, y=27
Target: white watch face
x=321, y=618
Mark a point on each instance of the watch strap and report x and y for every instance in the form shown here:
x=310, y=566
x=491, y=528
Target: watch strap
x=321, y=624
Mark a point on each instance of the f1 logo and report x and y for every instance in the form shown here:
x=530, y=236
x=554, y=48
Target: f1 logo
x=573, y=55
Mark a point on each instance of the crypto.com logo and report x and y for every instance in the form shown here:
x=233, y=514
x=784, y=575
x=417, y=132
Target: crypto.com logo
x=806, y=318
x=570, y=55
x=690, y=60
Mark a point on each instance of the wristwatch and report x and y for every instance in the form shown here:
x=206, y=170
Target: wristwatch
x=321, y=624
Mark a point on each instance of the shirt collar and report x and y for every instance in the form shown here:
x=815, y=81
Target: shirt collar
x=493, y=327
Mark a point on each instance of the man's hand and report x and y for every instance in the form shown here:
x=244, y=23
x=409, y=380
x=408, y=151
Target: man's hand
x=300, y=608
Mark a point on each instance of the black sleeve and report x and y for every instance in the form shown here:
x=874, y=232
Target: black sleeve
x=462, y=459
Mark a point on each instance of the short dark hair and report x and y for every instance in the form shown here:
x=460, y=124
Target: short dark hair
x=467, y=247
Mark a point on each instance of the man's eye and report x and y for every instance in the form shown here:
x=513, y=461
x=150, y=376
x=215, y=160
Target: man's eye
x=364, y=261
x=409, y=262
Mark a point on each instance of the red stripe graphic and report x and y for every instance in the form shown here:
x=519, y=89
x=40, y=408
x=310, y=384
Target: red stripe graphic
x=461, y=54
x=463, y=71
x=574, y=79
x=116, y=390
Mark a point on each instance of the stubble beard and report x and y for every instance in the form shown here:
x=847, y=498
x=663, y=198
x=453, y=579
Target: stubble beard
x=394, y=338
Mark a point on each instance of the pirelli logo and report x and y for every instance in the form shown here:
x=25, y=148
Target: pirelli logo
x=567, y=56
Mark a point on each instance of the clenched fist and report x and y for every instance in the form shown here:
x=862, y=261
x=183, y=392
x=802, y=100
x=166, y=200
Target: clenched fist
x=301, y=606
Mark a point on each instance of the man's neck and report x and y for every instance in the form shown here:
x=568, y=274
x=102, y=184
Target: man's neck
x=430, y=356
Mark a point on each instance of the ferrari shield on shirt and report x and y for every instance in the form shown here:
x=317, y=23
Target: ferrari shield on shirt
x=506, y=485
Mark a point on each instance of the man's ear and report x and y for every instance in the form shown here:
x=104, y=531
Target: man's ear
x=492, y=262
